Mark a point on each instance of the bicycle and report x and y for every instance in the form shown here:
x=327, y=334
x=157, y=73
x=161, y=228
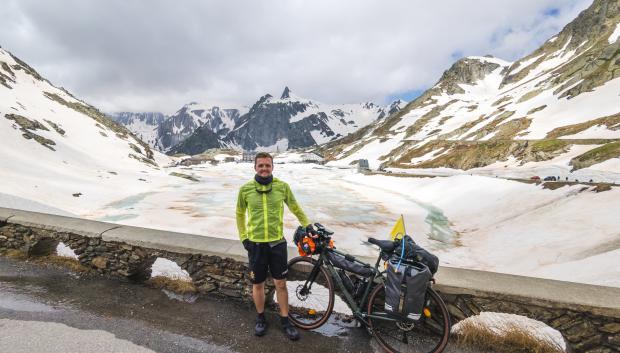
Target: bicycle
x=313, y=299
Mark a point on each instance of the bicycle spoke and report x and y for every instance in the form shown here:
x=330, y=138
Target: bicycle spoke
x=429, y=334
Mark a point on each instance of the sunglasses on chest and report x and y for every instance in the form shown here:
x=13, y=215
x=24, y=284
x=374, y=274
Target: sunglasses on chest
x=263, y=189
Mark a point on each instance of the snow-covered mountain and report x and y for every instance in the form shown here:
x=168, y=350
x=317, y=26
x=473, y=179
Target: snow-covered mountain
x=143, y=125
x=561, y=101
x=56, y=148
x=279, y=124
x=178, y=127
x=295, y=122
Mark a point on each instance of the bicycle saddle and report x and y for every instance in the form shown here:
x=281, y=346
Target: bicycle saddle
x=385, y=245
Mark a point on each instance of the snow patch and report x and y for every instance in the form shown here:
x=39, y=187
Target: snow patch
x=65, y=251
x=615, y=35
x=166, y=268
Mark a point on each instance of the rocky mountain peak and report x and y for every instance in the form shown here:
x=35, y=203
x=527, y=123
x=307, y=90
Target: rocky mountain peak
x=467, y=70
x=286, y=94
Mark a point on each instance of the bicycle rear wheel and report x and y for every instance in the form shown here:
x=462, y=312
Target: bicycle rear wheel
x=429, y=334
x=311, y=300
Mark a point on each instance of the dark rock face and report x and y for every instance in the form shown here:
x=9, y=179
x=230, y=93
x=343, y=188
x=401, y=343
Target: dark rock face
x=267, y=123
x=201, y=140
x=128, y=118
x=188, y=119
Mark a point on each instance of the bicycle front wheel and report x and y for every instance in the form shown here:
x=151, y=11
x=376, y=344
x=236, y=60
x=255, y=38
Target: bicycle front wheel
x=311, y=293
x=429, y=334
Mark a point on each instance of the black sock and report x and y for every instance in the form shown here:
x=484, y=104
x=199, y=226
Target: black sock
x=260, y=316
x=284, y=321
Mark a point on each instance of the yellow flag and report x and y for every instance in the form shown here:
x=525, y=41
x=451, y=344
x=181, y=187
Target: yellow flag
x=399, y=229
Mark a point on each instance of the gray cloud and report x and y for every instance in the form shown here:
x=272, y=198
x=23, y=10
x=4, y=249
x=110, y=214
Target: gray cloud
x=158, y=55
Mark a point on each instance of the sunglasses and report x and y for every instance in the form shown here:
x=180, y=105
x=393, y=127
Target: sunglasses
x=263, y=190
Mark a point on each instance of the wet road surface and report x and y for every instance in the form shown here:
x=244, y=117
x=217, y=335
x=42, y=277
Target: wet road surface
x=47, y=309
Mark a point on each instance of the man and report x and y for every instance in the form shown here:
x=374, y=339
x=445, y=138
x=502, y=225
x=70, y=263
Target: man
x=263, y=198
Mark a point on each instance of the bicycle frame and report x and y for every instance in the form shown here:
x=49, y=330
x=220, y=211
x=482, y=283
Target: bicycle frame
x=358, y=312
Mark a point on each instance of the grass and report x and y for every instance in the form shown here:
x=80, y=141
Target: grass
x=608, y=121
x=514, y=340
x=548, y=145
x=15, y=254
x=62, y=261
x=175, y=285
x=596, y=155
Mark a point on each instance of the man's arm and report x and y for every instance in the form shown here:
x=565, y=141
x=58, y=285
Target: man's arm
x=241, y=208
x=292, y=204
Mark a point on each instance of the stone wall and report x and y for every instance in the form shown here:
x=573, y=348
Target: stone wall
x=210, y=273
x=587, y=316
x=583, y=331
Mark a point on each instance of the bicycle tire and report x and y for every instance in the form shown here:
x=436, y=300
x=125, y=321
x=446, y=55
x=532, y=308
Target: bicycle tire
x=439, y=309
x=301, y=316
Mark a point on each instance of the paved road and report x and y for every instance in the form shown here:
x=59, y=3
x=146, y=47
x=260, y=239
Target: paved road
x=45, y=309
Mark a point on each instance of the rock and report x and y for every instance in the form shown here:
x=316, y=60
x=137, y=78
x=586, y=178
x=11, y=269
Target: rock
x=233, y=293
x=100, y=262
x=207, y=287
x=614, y=327
x=222, y=279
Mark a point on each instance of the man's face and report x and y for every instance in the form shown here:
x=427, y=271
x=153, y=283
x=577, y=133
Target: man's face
x=263, y=167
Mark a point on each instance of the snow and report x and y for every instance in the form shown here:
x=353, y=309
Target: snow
x=500, y=225
x=65, y=251
x=502, y=323
x=170, y=269
x=586, y=106
x=615, y=35
x=595, y=132
x=524, y=64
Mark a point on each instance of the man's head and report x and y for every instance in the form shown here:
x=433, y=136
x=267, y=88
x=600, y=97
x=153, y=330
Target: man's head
x=263, y=164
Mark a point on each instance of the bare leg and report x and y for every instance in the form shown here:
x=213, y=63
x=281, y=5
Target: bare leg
x=258, y=294
x=282, y=295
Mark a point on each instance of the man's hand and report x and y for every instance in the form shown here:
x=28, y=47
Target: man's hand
x=246, y=244
x=310, y=230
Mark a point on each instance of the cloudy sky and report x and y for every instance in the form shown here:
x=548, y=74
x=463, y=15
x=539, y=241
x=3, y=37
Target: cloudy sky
x=151, y=55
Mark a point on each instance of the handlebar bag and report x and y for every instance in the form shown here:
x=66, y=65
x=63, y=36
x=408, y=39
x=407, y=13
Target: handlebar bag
x=414, y=252
x=342, y=262
x=405, y=289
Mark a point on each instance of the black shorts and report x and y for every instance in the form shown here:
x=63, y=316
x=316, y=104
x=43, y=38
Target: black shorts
x=263, y=256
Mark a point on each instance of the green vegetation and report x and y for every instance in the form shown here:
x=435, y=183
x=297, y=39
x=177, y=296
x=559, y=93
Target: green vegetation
x=27, y=69
x=501, y=100
x=537, y=109
x=55, y=127
x=596, y=155
x=424, y=119
x=548, y=145
x=135, y=148
x=529, y=95
x=27, y=126
x=612, y=122
x=25, y=123
x=184, y=176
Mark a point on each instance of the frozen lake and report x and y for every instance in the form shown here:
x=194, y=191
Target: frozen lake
x=353, y=210
x=477, y=222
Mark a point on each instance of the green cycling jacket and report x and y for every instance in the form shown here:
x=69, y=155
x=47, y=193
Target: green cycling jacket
x=265, y=210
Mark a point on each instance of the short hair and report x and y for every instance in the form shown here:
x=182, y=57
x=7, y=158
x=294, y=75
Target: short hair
x=262, y=155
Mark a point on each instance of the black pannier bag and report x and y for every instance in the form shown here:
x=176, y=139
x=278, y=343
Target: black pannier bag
x=405, y=289
x=414, y=252
x=346, y=263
